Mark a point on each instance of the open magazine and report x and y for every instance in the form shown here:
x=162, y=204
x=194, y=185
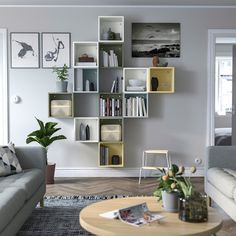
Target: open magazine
x=136, y=215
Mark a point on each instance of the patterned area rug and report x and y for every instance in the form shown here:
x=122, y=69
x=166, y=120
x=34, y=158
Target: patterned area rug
x=59, y=217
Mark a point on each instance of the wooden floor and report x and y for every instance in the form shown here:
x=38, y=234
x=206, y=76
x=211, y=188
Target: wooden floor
x=107, y=186
x=123, y=186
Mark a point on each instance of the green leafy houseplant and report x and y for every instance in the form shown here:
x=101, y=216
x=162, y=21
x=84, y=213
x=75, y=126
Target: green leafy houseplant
x=62, y=73
x=172, y=180
x=44, y=135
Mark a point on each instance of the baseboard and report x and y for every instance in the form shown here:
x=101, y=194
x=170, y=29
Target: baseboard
x=113, y=172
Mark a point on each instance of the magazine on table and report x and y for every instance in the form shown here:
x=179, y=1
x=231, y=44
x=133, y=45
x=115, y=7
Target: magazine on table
x=136, y=215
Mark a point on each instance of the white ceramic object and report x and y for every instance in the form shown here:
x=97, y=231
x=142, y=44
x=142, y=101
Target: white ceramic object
x=135, y=82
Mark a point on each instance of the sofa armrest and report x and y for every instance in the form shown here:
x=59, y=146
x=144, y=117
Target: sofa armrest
x=31, y=157
x=221, y=156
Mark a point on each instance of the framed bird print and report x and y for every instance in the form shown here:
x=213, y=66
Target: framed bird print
x=24, y=50
x=56, y=49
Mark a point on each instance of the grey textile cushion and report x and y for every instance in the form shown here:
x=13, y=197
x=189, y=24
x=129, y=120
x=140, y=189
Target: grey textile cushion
x=11, y=201
x=27, y=180
x=9, y=163
x=223, y=179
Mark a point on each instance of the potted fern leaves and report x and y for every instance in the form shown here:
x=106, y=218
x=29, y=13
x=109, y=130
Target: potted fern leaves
x=62, y=76
x=44, y=137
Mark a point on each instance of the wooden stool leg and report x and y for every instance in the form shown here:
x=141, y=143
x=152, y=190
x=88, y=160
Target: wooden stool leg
x=41, y=203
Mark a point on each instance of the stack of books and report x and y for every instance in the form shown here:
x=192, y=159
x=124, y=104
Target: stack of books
x=135, y=106
x=135, y=88
x=86, y=64
x=109, y=59
x=116, y=85
x=110, y=106
x=104, y=155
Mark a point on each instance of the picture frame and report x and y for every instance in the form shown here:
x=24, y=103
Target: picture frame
x=24, y=50
x=56, y=49
x=156, y=39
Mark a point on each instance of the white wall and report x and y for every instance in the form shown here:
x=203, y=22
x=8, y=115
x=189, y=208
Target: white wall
x=177, y=121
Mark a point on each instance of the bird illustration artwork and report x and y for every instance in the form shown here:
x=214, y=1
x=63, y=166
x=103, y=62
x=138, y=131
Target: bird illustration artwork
x=25, y=48
x=54, y=53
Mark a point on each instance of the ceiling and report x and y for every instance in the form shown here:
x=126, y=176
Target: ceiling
x=204, y=3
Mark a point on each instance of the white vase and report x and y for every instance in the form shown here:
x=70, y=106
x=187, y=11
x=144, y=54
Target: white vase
x=61, y=86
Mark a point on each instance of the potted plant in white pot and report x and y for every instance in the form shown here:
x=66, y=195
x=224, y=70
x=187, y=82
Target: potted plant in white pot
x=44, y=137
x=168, y=191
x=62, y=76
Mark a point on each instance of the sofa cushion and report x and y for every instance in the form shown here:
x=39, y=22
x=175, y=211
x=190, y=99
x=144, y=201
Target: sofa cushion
x=11, y=201
x=224, y=180
x=9, y=163
x=28, y=180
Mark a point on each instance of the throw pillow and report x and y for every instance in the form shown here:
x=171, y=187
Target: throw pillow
x=9, y=163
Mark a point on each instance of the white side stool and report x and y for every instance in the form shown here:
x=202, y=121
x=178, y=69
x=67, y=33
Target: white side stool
x=157, y=153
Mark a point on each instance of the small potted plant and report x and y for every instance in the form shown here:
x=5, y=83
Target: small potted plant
x=168, y=190
x=62, y=76
x=44, y=137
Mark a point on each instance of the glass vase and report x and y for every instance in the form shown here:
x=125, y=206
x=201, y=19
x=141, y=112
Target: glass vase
x=193, y=208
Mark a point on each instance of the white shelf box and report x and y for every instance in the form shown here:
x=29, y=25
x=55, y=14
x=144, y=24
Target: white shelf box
x=93, y=123
x=111, y=55
x=135, y=105
x=135, y=80
x=115, y=24
x=86, y=80
x=89, y=48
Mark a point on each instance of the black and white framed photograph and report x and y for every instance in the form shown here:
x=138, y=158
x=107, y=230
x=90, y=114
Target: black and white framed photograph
x=55, y=49
x=161, y=39
x=24, y=50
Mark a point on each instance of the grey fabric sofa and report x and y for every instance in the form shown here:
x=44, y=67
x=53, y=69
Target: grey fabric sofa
x=220, y=177
x=20, y=193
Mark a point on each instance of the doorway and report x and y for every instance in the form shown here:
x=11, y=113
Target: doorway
x=220, y=112
x=3, y=88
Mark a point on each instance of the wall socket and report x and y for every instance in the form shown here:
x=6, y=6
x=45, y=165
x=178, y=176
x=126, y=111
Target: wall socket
x=198, y=161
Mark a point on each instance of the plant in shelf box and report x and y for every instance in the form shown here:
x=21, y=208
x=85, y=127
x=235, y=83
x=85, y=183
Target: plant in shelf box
x=44, y=137
x=62, y=76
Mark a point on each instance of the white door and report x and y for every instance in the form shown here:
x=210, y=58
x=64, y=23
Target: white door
x=234, y=98
x=3, y=88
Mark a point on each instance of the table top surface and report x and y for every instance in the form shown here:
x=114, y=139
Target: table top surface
x=91, y=220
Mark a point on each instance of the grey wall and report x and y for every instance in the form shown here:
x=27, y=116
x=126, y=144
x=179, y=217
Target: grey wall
x=177, y=121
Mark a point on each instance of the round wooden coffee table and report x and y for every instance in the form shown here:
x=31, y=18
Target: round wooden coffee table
x=170, y=225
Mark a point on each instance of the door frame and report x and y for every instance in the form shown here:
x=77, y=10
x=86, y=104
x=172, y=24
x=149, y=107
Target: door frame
x=212, y=35
x=4, y=91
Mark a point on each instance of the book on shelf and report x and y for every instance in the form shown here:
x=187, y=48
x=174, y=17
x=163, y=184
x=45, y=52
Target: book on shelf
x=135, y=106
x=144, y=107
x=110, y=106
x=135, y=88
x=135, y=215
x=86, y=64
x=109, y=59
x=116, y=85
x=104, y=155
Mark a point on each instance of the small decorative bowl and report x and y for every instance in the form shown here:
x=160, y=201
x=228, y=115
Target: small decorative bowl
x=136, y=82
